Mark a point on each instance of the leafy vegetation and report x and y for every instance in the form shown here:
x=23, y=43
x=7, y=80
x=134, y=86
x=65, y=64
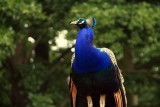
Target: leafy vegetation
x=32, y=74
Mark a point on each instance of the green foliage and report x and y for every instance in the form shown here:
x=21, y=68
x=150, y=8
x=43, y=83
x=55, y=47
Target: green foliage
x=32, y=76
x=20, y=14
x=4, y=88
x=136, y=24
x=120, y=23
x=39, y=100
x=6, y=42
x=142, y=85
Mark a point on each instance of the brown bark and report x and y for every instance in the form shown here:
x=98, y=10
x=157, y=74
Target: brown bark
x=127, y=62
x=29, y=53
x=42, y=51
x=18, y=96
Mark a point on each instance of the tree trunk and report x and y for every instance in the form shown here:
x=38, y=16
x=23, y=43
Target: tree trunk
x=42, y=51
x=127, y=62
x=18, y=96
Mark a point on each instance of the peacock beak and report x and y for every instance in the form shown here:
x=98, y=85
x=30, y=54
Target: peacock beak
x=73, y=22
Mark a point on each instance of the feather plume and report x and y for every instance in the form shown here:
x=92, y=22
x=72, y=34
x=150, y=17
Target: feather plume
x=91, y=22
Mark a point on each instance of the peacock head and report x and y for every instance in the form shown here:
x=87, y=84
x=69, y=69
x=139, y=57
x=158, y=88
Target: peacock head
x=82, y=22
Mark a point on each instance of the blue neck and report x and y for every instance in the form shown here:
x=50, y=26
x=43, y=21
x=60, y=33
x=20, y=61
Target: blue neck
x=87, y=57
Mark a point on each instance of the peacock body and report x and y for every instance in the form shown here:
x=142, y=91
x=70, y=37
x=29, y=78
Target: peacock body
x=96, y=80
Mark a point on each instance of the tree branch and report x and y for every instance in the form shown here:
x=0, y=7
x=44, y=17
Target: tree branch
x=29, y=53
x=44, y=85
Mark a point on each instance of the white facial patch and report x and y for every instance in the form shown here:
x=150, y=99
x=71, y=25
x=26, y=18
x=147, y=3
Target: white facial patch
x=81, y=22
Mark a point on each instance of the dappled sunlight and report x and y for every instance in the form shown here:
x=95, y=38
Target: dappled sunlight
x=61, y=41
x=30, y=39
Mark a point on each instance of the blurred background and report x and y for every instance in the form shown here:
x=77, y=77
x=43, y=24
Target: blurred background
x=36, y=45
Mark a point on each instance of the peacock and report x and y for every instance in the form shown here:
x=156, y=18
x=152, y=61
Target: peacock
x=95, y=78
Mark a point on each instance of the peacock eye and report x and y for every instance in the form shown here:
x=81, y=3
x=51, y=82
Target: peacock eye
x=80, y=21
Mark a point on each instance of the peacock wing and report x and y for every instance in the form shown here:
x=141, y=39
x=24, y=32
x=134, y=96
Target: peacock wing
x=73, y=92
x=77, y=100
x=120, y=95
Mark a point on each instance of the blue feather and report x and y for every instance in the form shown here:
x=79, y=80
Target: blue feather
x=94, y=22
x=87, y=57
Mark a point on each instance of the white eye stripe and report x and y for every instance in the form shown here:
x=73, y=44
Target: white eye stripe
x=81, y=22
